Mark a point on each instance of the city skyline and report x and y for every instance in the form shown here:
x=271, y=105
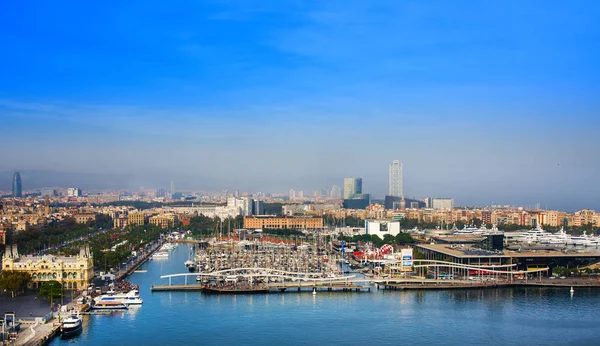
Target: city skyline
x=494, y=103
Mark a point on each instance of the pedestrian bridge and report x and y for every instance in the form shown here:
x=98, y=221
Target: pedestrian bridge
x=282, y=276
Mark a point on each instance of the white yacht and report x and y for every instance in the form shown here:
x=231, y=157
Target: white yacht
x=130, y=298
x=581, y=240
x=71, y=325
x=161, y=254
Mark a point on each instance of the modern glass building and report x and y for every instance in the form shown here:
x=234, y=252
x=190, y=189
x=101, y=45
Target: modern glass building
x=17, y=188
x=395, y=179
x=352, y=186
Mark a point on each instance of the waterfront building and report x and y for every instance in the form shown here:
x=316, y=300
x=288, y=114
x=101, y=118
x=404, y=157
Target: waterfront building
x=17, y=187
x=395, y=179
x=73, y=272
x=382, y=227
x=524, y=260
x=352, y=186
x=259, y=222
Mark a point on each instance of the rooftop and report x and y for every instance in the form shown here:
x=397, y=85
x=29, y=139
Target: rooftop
x=467, y=251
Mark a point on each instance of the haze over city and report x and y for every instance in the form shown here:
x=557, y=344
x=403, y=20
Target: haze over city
x=494, y=102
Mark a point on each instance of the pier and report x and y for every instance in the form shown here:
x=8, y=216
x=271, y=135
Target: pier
x=122, y=274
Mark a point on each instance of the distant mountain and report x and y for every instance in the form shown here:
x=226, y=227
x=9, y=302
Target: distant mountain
x=36, y=179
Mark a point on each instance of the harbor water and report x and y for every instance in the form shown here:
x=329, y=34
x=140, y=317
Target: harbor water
x=507, y=316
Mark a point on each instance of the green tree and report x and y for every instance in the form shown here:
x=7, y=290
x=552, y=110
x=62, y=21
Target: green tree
x=14, y=281
x=50, y=290
x=404, y=238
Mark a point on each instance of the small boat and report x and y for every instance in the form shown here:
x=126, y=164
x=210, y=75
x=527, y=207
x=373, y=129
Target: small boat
x=161, y=254
x=72, y=325
x=109, y=305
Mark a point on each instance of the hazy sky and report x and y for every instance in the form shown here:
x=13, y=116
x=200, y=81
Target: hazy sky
x=485, y=101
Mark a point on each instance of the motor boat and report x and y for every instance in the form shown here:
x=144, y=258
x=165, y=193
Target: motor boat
x=109, y=305
x=161, y=254
x=71, y=325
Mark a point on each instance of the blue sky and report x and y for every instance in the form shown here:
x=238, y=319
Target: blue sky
x=485, y=101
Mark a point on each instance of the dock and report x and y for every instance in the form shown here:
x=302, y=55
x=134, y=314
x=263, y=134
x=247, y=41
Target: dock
x=177, y=288
x=37, y=334
x=271, y=287
x=122, y=274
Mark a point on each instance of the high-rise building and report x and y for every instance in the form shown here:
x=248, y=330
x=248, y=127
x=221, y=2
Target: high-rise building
x=336, y=192
x=352, y=186
x=48, y=192
x=395, y=179
x=17, y=188
x=173, y=188
x=259, y=207
x=442, y=203
x=73, y=192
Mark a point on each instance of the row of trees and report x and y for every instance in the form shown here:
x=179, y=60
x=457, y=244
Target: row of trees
x=400, y=239
x=283, y=232
x=14, y=281
x=55, y=235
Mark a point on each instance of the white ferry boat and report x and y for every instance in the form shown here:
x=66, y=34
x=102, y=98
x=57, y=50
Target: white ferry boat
x=109, y=305
x=130, y=298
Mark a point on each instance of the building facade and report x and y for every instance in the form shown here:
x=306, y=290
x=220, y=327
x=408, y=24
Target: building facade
x=136, y=219
x=382, y=227
x=163, y=220
x=283, y=222
x=395, y=179
x=352, y=186
x=442, y=203
x=73, y=272
x=74, y=192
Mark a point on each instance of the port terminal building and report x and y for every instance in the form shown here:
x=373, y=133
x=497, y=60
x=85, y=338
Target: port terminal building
x=530, y=260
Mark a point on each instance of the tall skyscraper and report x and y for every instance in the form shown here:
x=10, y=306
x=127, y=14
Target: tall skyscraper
x=395, y=179
x=352, y=186
x=173, y=188
x=336, y=192
x=17, y=188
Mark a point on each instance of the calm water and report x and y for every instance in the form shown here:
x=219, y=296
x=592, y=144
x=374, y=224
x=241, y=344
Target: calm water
x=476, y=317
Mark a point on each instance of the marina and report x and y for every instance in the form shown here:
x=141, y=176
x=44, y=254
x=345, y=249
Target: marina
x=401, y=313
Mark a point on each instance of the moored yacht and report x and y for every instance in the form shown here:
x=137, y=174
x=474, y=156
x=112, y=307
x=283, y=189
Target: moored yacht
x=71, y=325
